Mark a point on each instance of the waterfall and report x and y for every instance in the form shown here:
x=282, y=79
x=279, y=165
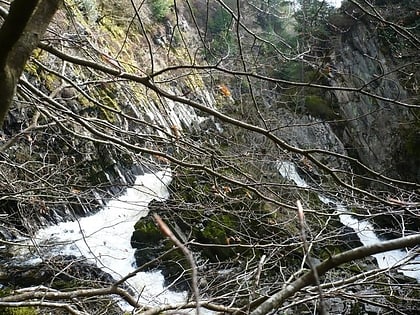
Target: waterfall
x=104, y=238
x=363, y=228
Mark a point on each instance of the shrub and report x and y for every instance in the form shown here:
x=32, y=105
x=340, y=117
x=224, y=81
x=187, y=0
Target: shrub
x=160, y=9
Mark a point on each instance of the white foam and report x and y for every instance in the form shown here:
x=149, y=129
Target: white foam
x=104, y=238
x=364, y=229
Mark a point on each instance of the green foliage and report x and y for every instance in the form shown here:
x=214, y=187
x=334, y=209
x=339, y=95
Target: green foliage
x=219, y=34
x=390, y=40
x=312, y=18
x=278, y=27
x=219, y=22
x=292, y=71
x=160, y=9
x=271, y=16
x=221, y=45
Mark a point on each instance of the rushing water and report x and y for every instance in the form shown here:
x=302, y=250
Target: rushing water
x=364, y=229
x=104, y=238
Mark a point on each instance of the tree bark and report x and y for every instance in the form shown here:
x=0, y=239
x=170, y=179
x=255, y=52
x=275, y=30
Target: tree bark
x=20, y=34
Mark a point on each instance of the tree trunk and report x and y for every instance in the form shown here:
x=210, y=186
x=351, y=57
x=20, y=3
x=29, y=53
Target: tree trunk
x=20, y=34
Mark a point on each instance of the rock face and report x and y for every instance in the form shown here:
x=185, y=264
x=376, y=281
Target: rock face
x=77, y=165
x=377, y=131
x=59, y=162
x=376, y=128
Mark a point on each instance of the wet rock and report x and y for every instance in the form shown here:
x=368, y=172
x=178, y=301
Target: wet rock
x=59, y=271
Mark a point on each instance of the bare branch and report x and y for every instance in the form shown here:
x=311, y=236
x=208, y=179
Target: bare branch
x=194, y=277
x=277, y=299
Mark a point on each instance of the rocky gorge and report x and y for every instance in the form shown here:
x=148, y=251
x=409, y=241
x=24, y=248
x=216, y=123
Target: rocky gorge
x=105, y=99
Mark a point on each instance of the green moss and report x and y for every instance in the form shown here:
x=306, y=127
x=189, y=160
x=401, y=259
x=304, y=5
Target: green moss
x=51, y=81
x=146, y=231
x=216, y=231
x=110, y=26
x=194, y=81
x=219, y=230
x=18, y=310
x=317, y=106
x=31, y=69
x=61, y=284
x=108, y=97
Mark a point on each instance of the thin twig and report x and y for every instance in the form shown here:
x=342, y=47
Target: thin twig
x=309, y=260
x=166, y=230
x=265, y=305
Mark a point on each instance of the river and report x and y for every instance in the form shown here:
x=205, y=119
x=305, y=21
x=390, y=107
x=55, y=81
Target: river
x=363, y=228
x=104, y=238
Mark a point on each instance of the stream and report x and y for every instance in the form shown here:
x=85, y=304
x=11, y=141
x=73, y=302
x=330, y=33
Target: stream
x=104, y=238
x=363, y=228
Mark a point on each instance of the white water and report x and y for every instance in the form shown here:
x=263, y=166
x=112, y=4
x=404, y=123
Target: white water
x=104, y=238
x=365, y=230
x=333, y=3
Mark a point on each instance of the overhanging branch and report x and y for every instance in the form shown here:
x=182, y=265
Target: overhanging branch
x=276, y=300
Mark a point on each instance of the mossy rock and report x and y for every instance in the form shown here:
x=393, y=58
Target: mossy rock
x=408, y=156
x=77, y=274
x=217, y=230
x=146, y=231
x=150, y=245
x=317, y=106
x=172, y=265
x=240, y=219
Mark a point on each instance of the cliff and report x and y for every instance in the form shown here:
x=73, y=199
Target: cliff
x=62, y=148
x=68, y=139
x=366, y=56
x=221, y=95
